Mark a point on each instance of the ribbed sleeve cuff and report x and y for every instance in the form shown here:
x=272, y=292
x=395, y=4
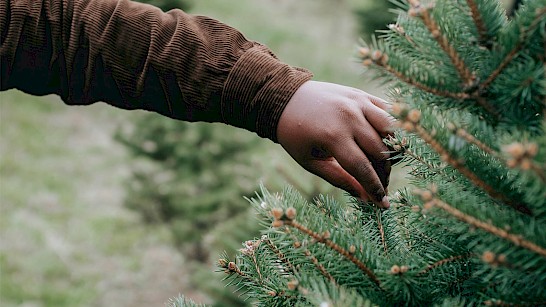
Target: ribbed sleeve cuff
x=258, y=89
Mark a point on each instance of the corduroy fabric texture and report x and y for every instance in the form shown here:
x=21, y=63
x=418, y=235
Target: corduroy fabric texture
x=134, y=56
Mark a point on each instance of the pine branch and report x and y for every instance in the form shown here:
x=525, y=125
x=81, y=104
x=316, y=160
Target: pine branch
x=501, y=233
x=461, y=132
x=444, y=261
x=288, y=218
x=320, y=267
x=381, y=230
x=326, y=241
x=280, y=255
x=410, y=122
x=478, y=21
x=512, y=54
x=314, y=259
x=381, y=59
x=423, y=12
x=521, y=155
x=232, y=268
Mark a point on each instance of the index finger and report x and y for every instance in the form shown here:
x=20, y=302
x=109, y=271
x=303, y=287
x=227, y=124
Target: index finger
x=355, y=162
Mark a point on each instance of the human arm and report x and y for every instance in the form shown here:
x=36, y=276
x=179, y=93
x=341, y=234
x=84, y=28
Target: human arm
x=134, y=56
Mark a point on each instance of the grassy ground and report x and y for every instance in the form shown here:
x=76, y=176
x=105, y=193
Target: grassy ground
x=65, y=237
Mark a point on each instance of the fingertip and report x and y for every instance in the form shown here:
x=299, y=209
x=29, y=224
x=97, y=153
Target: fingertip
x=384, y=203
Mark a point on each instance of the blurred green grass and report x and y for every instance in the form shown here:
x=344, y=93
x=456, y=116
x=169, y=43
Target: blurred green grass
x=65, y=238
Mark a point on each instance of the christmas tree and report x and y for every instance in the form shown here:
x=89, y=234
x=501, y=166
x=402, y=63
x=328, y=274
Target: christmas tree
x=469, y=91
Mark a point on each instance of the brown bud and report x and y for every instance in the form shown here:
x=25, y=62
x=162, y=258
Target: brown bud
x=352, y=249
x=232, y=266
x=376, y=55
x=277, y=223
x=413, y=12
x=488, y=257
x=277, y=213
x=364, y=52
x=408, y=126
x=293, y=284
x=516, y=150
x=525, y=164
x=272, y=293
x=397, y=109
x=415, y=208
x=395, y=269
x=297, y=244
x=511, y=163
x=404, y=269
x=414, y=116
x=426, y=195
x=367, y=62
x=501, y=258
x=222, y=263
x=428, y=205
x=384, y=59
x=290, y=213
x=435, y=33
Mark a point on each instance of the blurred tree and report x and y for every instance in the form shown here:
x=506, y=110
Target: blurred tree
x=195, y=177
x=192, y=177
x=374, y=15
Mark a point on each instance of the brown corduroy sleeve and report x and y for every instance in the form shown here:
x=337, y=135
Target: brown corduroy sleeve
x=134, y=56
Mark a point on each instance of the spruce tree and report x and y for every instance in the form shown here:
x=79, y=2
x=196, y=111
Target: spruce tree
x=469, y=92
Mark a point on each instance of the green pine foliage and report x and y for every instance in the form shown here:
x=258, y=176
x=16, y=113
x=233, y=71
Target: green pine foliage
x=469, y=91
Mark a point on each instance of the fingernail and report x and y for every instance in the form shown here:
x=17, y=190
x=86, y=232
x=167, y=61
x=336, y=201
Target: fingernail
x=385, y=202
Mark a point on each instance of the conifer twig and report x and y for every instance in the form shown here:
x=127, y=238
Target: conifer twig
x=382, y=62
x=319, y=266
x=515, y=239
x=478, y=21
x=510, y=56
x=314, y=259
x=473, y=140
x=446, y=156
x=323, y=239
x=410, y=122
x=288, y=218
x=444, y=261
x=418, y=158
x=381, y=229
x=423, y=12
x=280, y=255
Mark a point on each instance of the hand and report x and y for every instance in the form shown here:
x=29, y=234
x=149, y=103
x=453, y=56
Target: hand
x=336, y=132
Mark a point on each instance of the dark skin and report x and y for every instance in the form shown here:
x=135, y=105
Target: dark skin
x=336, y=132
